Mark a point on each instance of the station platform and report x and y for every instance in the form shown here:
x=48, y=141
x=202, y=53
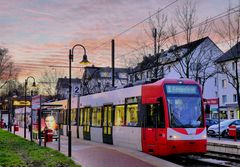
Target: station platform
x=91, y=154
x=228, y=146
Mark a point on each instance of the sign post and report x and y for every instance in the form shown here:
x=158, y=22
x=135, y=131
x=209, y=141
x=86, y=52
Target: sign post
x=215, y=101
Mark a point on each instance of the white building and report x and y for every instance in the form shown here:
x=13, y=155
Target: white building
x=99, y=79
x=170, y=64
x=227, y=93
x=63, y=87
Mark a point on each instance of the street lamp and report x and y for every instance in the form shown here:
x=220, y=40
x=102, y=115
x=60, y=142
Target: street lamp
x=83, y=62
x=25, y=95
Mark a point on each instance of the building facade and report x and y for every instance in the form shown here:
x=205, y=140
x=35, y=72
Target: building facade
x=99, y=79
x=198, y=57
x=63, y=88
x=228, y=64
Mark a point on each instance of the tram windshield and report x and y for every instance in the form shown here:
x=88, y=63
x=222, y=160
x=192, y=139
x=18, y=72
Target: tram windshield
x=184, y=106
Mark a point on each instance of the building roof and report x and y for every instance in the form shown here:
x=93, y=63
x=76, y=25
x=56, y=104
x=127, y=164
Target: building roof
x=95, y=71
x=63, y=82
x=231, y=54
x=151, y=60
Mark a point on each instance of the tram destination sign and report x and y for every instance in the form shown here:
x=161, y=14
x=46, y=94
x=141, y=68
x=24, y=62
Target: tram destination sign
x=182, y=89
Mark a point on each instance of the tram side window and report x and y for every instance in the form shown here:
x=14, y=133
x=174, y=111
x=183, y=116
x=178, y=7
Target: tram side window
x=132, y=115
x=73, y=116
x=94, y=116
x=155, y=114
x=119, y=116
x=65, y=117
x=99, y=116
x=81, y=117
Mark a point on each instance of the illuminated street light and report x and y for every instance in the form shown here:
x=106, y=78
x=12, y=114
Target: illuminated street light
x=83, y=62
x=25, y=113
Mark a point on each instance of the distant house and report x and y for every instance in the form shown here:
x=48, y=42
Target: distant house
x=99, y=79
x=227, y=93
x=170, y=64
x=63, y=87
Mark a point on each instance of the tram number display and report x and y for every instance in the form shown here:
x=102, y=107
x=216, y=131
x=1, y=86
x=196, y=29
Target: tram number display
x=182, y=89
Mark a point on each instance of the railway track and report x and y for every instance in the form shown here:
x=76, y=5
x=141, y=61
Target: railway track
x=209, y=159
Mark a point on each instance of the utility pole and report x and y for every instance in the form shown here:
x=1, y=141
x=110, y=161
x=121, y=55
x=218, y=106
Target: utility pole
x=113, y=59
x=154, y=34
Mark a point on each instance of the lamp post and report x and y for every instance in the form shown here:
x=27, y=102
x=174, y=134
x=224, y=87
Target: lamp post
x=84, y=62
x=25, y=98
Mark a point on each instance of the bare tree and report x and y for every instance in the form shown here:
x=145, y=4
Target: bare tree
x=157, y=31
x=230, y=33
x=203, y=63
x=7, y=70
x=48, y=81
x=186, y=20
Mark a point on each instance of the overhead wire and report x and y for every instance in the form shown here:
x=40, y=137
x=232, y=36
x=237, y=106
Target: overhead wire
x=218, y=16
x=133, y=26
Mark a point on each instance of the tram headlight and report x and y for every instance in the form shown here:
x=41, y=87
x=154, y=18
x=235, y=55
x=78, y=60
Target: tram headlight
x=175, y=137
x=204, y=136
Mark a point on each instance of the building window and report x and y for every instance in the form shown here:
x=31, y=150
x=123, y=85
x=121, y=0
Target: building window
x=122, y=75
x=231, y=114
x=235, y=98
x=119, y=115
x=234, y=82
x=131, y=78
x=224, y=83
x=233, y=66
x=105, y=74
x=199, y=80
x=148, y=74
x=224, y=99
x=132, y=115
x=137, y=77
x=215, y=81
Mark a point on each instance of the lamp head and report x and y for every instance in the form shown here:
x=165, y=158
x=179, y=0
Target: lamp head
x=85, y=60
x=34, y=84
x=15, y=96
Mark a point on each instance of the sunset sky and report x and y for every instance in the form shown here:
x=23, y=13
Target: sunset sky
x=39, y=33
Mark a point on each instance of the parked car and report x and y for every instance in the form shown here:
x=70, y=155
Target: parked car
x=214, y=129
x=210, y=122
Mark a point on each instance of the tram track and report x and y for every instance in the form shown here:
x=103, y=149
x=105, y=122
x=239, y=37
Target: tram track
x=210, y=159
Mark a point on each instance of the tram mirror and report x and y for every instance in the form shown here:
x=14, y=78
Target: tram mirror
x=160, y=99
x=207, y=109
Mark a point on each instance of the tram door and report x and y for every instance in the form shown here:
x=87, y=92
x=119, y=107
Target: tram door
x=153, y=132
x=86, y=124
x=107, y=124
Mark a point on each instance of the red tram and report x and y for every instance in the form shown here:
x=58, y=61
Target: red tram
x=161, y=118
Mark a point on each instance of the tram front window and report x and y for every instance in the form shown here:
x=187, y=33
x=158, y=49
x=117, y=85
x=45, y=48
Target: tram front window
x=185, y=111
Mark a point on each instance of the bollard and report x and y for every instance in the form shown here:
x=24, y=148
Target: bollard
x=15, y=128
x=233, y=132
x=48, y=136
